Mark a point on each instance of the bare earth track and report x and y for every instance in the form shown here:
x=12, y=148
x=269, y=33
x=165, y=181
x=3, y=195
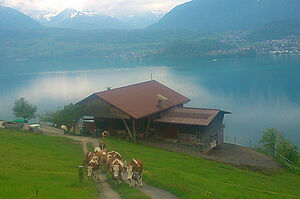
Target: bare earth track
x=106, y=192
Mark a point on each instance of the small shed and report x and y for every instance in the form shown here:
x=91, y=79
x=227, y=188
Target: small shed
x=197, y=126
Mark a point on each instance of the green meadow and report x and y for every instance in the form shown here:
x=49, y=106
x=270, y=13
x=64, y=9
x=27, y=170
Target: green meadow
x=191, y=177
x=31, y=162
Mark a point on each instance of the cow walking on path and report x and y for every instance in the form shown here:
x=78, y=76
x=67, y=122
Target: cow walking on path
x=93, y=167
x=102, y=145
x=134, y=171
x=117, y=169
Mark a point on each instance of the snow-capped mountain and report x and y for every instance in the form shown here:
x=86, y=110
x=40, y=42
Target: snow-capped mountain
x=143, y=20
x=90, y=19
x=42, y=16
x=84, y=20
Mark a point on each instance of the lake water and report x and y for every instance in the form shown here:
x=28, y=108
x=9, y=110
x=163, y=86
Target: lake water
x=260, y=92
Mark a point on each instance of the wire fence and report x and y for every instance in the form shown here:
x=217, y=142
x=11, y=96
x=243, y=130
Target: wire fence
x=238, y=141
x=249, y=144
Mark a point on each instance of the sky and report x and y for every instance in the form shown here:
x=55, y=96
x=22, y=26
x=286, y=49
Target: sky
x=109, y=7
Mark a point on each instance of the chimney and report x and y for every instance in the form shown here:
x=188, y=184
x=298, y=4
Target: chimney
x=158, y=103
x=160, y=98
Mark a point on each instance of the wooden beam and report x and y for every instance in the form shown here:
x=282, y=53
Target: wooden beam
x=148, y=126
x=134, y=132
x=128, y=130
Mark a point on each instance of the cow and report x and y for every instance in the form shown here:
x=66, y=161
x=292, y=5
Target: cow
x=97, y=149
x=101, y=155
x=121, y=133
x=102, y=145
x=88, y=157
x=134, y=171
x=104, y=134
x=115, y=154
x=93, y=167
x=117, y=168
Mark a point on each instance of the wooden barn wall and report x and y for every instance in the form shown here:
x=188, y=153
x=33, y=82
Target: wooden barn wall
x=169, y=130
x=215, y=126
x=100, y=108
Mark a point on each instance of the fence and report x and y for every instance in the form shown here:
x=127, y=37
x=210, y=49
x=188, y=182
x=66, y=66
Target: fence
x=248, y=143
x=238, y=141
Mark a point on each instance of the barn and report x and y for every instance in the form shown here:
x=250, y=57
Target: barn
x=152, y=109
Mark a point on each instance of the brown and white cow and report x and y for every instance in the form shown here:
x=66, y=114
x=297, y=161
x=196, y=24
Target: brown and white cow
x=104, y=134
x=134, y=171
x=88, y=157
x=115, y=154
x=93, y=167
x=117, y=168
x=97, y=149
x=102, y=145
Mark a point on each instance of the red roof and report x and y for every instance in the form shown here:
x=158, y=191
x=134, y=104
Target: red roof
x=140, y=100
x=192, y=116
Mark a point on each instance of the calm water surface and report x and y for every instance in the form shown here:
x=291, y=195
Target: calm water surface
x=260, y=92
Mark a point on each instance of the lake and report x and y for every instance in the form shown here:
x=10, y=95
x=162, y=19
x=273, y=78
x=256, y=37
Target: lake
x=260, y=92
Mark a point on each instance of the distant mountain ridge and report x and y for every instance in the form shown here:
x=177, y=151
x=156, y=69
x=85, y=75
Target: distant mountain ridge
x=84, y=20
x=13, y=19
x=224, y=15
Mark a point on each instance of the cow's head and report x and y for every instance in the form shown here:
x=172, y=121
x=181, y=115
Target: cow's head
x=129, y=173
x=116, y=169
x=90, y=170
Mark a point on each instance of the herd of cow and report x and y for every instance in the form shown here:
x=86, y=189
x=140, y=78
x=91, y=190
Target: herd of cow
x=101, y=159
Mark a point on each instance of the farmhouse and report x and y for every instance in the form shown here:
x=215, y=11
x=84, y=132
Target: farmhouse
x=150, y=108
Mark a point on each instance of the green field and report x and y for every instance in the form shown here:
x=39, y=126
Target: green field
x=192, y=177
x=30, y=162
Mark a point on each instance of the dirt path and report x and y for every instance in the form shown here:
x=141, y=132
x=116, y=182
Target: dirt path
x=150, y=191
x=106, y=192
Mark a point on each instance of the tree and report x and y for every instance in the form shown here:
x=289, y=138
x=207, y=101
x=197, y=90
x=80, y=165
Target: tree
x=269, y=139
x=288, y=150
x=273, y=140
x=22, y=108
x=68, y=116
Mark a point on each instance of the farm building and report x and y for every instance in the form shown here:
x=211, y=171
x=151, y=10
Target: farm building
x=150, y=108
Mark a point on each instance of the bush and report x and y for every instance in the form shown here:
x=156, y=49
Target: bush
x=288, y=150
x=273, y=140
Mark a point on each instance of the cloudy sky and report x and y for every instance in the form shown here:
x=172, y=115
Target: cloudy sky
x=111, y=7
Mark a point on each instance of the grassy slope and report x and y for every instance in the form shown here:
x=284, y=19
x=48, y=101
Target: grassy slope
x=193, y=177
x=29, y=162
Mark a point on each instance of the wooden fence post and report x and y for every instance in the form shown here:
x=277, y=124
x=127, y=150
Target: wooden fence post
x=36, y=194
x=80, y=173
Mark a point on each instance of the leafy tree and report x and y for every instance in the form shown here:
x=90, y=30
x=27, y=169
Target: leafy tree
x=22, y=108
x=288, y=150
x=68, y=116
x=269, y=139
x=273, y=140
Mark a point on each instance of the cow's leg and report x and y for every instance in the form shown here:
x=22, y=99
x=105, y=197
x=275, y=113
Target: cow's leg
x=98, y=174
x=141, y=181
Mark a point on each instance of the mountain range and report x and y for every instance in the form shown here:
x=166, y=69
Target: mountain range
x=89, y=19
x=227, y=15
x=84, y=20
